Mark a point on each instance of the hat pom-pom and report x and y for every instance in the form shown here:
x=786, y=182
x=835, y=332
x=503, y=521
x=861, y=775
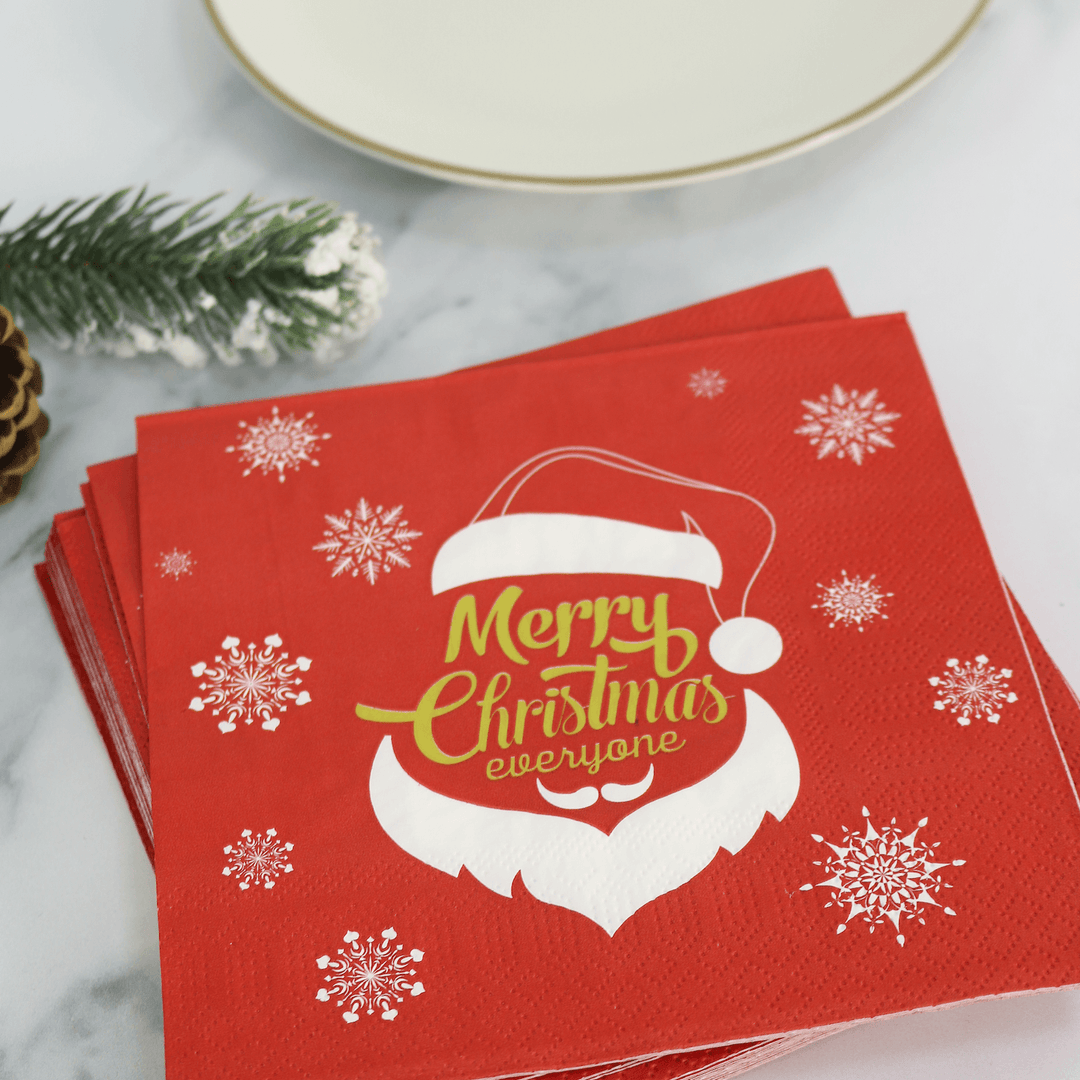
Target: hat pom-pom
x=745, y=646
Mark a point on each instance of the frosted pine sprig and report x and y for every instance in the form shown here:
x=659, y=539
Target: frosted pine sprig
x=127, y=275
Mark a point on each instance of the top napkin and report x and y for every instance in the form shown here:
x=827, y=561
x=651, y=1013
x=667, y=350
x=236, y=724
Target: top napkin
x=553, y=714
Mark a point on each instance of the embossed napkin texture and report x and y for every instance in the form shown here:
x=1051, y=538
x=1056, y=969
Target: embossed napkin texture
x=901, y=862
x=116, y=487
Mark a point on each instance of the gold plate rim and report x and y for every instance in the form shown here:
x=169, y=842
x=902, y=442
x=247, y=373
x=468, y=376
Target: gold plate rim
x=665, y=178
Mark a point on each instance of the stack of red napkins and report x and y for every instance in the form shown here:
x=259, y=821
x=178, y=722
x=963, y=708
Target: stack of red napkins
x=647, y=706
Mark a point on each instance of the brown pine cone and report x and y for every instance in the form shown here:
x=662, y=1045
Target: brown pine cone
x=22, y=423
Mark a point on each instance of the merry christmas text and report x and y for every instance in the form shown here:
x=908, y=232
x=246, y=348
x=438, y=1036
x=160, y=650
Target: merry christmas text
x=582, y=696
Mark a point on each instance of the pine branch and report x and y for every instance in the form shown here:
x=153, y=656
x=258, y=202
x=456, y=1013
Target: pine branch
x=135, y=274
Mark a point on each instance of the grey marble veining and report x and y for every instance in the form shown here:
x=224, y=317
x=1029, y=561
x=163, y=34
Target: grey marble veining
x=961, y=207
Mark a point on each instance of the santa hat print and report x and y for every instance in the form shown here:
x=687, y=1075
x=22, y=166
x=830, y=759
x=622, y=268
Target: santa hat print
x=505, y=543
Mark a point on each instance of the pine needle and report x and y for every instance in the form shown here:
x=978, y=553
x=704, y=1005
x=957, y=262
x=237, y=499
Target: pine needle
x=127, y=274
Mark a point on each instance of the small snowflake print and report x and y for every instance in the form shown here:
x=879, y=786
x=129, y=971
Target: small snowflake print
x=707, y=383
x=250, y=684
x=973, y=689
x=257, y=859
x=370, y=975
x=851, y=601
x=175, y=564
x=367, y=541
x=277, y=443
x=882, y=875
x=847, y=424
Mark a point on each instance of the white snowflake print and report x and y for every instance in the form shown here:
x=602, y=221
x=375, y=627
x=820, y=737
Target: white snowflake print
x=883, y=874
x=175, y=563
x=851, y=601
x=972, y=689
x=707, y=383
x=277, y=444
x=847, y=424
x=370, y=975
x=367, y=541
x=249, y=685
x=257, y=859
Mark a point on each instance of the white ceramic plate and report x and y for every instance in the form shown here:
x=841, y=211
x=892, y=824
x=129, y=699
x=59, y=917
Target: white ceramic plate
x=572, y=94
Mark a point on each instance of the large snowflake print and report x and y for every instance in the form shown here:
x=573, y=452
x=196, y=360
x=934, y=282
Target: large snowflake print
x=707, y=383
x=847, y=424
x=257, y=859
x=851, y=601
x=883, y=875
x=370, y=975
x=972, y=689
x=175, y=563
x=367, y=541
x=250, y=684
x=277, y=443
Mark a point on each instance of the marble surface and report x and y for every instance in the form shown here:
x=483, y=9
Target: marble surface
x=961, y=207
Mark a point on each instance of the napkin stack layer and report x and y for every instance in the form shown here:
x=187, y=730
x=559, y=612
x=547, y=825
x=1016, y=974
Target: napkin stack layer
x=646, y=706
